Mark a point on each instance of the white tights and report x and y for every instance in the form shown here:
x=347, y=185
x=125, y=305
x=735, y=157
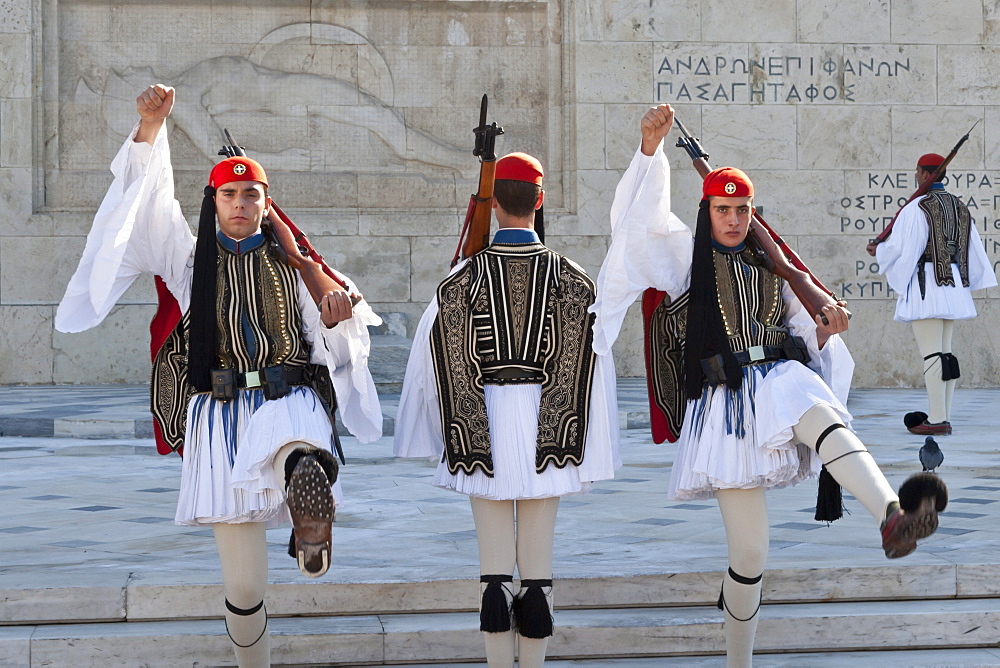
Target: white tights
x=744, y=514
x=243, y=556
x=934, y=336
x=517, y=533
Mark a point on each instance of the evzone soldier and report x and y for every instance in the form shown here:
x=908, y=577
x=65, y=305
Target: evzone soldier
x=244, y=381
x=765, y=383
x=502, y=377
x=934, y=259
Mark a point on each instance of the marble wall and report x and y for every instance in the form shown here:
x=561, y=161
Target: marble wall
x=362, y=112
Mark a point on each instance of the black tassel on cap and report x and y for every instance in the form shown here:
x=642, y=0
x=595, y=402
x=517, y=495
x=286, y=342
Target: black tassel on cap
x=494, y=616
x=829, y=499
x=531, y=610
x=203, y=336
x=540, y=223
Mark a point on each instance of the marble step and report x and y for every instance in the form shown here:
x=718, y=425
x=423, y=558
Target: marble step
x=443, y=637
x=156, y=596
x=917, y=658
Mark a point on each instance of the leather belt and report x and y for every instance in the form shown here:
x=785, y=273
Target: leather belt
x=756, y=354
x=252, y=380
x=513, y=375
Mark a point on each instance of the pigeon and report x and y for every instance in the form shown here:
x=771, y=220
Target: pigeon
x=930, y=454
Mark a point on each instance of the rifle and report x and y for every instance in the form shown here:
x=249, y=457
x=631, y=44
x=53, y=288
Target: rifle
x=920, y=192
x=319, y=277
x=475, y=233
x=787, y=264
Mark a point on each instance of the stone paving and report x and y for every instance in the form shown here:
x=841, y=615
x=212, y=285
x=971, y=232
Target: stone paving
x=97, y=513
x=102, y=509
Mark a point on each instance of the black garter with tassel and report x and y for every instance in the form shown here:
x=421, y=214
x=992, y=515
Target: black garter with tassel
x=494, y=616
x=829, y=497
x=531, y=610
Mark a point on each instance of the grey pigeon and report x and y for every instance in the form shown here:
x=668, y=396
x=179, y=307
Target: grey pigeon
x=930, y=454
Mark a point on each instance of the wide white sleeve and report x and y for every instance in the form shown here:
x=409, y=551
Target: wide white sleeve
x=418, y=418
x=834, y=362
x=650, y=246
x=897, y=256
x=981, y=272
x=138, y=229
x=344, y=349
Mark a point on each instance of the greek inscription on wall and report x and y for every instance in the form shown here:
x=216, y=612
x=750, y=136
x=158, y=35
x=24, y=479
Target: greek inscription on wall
x=789, y=74
x=868, y=211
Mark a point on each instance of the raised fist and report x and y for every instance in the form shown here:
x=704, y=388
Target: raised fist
x=155, y=103
x=655, y=125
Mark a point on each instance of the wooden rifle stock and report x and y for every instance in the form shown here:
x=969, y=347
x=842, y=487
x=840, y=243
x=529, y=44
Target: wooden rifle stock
x=475, y=233
x=319, y=277
x=787, y=264
x=922, y=190
x=480, y=211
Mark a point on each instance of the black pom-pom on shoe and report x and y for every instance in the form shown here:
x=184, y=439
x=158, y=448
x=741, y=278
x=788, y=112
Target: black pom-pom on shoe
x=911, y=420
x=920, y=486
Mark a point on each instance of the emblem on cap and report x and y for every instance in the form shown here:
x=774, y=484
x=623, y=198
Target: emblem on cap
x=240, y=170
x=730, y=188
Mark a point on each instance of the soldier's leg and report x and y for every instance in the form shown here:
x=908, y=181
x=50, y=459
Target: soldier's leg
x=495, y=534
x=949, y=386
x=536, y=527
x=243, y=555
x=744, y=514
x=847, y=459
x=308, y=475
x=929, y=335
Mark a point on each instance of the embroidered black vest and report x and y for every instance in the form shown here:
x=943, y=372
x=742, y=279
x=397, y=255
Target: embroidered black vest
x=258, y=324
x=753, y=311
x=948, y=236
x=515, y=313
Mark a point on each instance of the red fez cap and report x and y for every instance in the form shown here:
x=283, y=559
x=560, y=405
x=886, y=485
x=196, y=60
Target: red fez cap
x=519, y=167
x=727, y=182
x=930, y=160
x=237, y=168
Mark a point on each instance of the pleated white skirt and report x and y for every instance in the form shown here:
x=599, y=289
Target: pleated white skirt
x=949, y=302
x=229, y=448
x=513, y=417
x=744, y=439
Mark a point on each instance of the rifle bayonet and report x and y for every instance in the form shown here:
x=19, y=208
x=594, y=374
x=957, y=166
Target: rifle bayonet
x=689, y=143
x=476, y=227
x=232, y=149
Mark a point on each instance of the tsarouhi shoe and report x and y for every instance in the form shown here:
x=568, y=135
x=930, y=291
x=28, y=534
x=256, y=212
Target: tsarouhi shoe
x=926, y=428
x=310, y=502
x=921, y=498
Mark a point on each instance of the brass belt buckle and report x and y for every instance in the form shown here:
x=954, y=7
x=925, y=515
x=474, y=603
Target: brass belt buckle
x=756, y=353
x=251, y=379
